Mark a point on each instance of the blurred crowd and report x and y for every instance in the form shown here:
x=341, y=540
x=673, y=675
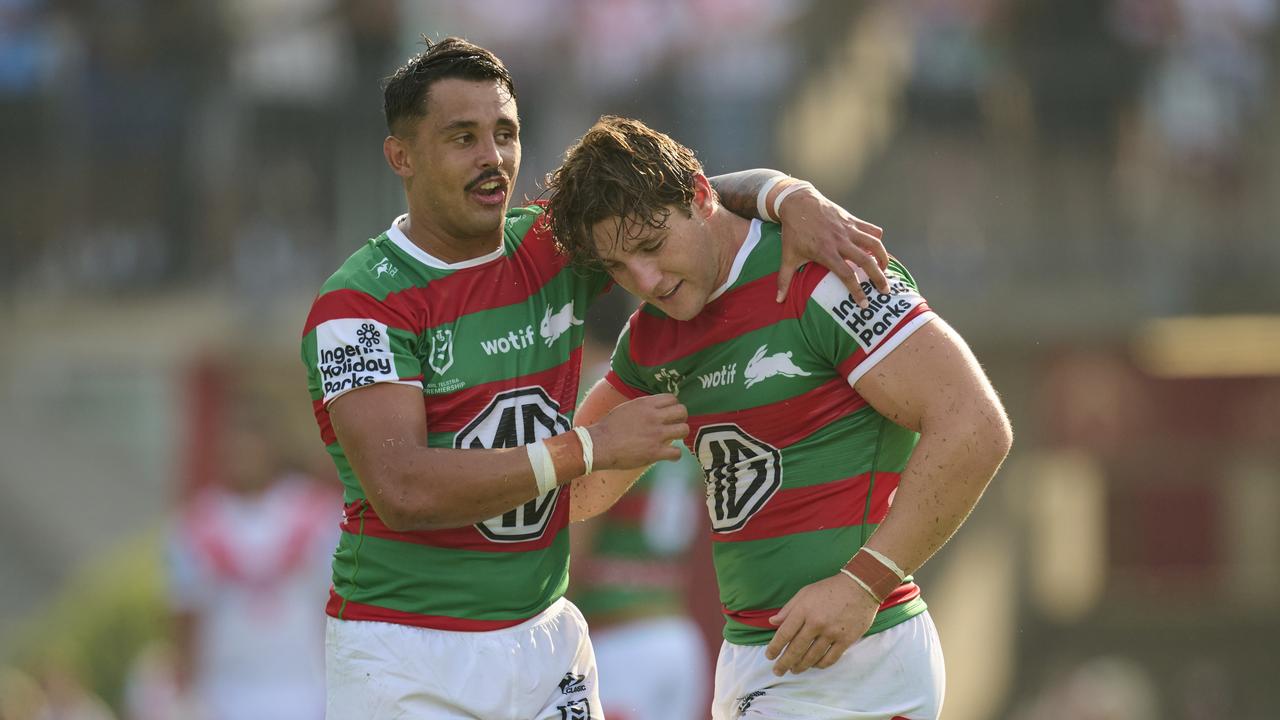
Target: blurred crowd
x=158, y=144
x=1101, y=161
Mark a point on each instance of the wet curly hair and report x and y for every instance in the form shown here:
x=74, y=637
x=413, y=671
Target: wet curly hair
x=621, y=168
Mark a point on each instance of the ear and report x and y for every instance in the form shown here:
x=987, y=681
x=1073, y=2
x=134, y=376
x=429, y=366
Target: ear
x=396, y=151
x=704, y=198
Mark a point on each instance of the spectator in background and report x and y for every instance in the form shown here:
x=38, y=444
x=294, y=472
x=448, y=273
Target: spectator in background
x=249, y=563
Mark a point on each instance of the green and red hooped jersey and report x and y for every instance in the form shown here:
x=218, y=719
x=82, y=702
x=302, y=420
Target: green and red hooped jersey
x=495, y=344
x=799, y=468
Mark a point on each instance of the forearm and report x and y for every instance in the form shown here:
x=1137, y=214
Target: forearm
x=942, y=482
x=739, y=191
x=595, y=493
x=438, y=488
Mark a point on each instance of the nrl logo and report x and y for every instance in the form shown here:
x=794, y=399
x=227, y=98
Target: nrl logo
x=670, y=379
x=441, y=357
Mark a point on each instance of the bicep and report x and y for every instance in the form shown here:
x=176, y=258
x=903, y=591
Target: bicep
x=932, y=375
x=375, y=423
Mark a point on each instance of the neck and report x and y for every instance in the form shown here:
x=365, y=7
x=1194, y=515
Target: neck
x=728, y=231
x=424, y=231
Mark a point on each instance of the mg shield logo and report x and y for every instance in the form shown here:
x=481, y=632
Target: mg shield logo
x=742, y=473
x=515, y=418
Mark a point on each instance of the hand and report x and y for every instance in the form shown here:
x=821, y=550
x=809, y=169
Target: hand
x=639, y=432
x=816, y=229
x=819, y=623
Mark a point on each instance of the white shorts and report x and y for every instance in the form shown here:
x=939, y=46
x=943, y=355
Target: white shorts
x=897, y=673
x=653, y=668
x=541, y=669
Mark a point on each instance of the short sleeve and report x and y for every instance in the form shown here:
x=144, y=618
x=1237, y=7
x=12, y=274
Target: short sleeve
x=854, y=339
x=624, y=375
x=356, y=341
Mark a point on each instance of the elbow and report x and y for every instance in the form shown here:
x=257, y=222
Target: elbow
x=403, y=507
x=999, y=437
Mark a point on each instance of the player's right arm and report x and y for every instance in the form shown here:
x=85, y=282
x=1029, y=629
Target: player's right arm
x=382, y=429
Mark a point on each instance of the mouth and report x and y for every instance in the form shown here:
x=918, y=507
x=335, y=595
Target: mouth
x=488, y=191
x=670, y=293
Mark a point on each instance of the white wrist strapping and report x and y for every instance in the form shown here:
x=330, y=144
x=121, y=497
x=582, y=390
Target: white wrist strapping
x=544, y=470
x=777, y=201
x=588, y=450
x=893, y=566
x=864, y=586
x=762, y=198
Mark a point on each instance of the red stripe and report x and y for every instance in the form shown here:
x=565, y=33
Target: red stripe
x=630, y=508
x=618, y=384
x=348, y=303
x=782, y=423
x=848, y=364
x=760, y=618
x=450, y=412
x=737, y=312
x=359, y=518
x=504, y=281
x=349, y=610
x=817, y=507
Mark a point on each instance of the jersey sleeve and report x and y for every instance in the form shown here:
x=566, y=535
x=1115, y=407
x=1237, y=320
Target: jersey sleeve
x=353, y=340
x=624, y=375
x=854, y=339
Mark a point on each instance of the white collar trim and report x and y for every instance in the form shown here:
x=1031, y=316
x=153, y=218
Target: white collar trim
x=403, y=242
x=744, y=252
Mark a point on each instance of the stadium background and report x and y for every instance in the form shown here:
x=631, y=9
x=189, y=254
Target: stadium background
x=1086, y=189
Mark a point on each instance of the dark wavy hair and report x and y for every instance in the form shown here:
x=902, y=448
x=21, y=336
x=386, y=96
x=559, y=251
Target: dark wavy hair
x=404, y=92
x=621, y=168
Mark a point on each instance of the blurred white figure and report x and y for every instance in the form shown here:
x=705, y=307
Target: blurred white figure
x=249, y=569
x=652, y=658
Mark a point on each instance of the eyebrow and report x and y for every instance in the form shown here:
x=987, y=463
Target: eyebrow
x=473, y=124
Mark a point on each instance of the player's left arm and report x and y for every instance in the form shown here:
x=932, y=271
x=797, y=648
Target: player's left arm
x=813, y=228
x=595, y=493
x=932, y=384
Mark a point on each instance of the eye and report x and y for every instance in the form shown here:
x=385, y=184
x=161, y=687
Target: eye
x=652, y=246
x=506, y=135
x=463, y=139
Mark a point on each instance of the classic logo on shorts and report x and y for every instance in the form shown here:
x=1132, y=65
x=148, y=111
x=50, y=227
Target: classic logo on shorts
x=742, y=473
x=575, y=710
x=571, y=683
x=514, y=418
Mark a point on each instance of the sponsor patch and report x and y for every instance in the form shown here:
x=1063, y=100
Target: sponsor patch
x=352, y=353
x=884, y=312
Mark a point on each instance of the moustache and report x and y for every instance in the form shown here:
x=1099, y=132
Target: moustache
x=485, y=177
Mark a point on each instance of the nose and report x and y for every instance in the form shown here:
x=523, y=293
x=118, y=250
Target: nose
x=646, y=275
x=487, y=153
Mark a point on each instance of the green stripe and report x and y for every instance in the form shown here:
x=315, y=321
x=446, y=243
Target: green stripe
x=457, y=583
x=766, y=573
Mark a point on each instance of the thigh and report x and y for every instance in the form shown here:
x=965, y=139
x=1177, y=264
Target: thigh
x=564, y=682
